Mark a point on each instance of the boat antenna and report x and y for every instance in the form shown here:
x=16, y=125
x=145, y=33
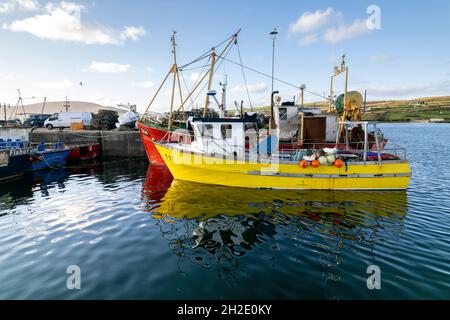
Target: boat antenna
x=174, y=69
x=224, y=92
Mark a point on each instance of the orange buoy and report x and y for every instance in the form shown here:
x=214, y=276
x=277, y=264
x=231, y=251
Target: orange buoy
x=338, y=163
x=315, y=163
x=303, y=163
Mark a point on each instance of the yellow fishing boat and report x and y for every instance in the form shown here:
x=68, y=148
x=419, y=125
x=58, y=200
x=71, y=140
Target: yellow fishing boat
x=234, y=152
x=225, y=158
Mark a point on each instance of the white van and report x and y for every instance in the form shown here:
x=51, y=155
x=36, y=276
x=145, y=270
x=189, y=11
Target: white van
x=65, y=119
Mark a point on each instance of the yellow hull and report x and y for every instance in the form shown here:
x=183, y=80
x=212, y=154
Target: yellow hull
x=187, y=200
x=195, y=167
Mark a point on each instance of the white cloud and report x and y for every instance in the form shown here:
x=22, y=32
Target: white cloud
x=309, y=39
x=55, y=85
x=327, y=25
x=252, y=88
x=310, y=21
x=133, y=33
x=11, y=5
x=346, y=32
x=411, y=91
x=380, y=58
x=145, y=84
x=62, y=22
x=149, y=69
x=108, y=67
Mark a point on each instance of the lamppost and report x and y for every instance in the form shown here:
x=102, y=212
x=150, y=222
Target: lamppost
x=273, y=35
x=302, y=89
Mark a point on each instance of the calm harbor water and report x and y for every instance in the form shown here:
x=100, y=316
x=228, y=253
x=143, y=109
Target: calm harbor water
x=135, y=234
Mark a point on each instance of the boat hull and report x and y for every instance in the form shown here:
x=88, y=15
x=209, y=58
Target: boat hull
x=148, y=135
x=15, y=167
x=49, y=159
x=84, y=152
x=194, y=167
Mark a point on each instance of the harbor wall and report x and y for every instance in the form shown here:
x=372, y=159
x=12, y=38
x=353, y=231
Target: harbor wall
x=115, y=144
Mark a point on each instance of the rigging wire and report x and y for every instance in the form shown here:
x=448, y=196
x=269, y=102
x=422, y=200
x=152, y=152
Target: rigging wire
x=196, y=82
x=187, y=88
x=193, y=68
x=279, y=80
x=243, y=75
x=214, y=71
x=206, y=54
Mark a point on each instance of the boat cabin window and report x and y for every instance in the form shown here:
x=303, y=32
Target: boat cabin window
x=226, y=131
x=283, y=113
x=207, y=130
x=53, y=117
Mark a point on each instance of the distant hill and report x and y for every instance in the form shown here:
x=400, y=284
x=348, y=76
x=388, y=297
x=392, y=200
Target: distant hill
x=58, y=106
x=428, y=108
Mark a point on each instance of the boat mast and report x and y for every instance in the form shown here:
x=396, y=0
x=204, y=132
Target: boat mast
x=175, y=72
x=232, y=40
x=211, y=74
x=337, y=71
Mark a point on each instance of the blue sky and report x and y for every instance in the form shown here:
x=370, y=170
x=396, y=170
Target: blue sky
x=120, y=50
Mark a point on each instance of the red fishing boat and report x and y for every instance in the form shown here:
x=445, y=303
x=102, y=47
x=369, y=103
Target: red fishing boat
x=148, y=135
x=151, y=129
x=84, y=152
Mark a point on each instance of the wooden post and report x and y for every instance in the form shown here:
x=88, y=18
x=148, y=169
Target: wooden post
x=302, y=127
x=211, y=74
x=169, y=126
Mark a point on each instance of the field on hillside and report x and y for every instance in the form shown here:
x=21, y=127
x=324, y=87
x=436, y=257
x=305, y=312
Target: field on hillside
x=421, y=109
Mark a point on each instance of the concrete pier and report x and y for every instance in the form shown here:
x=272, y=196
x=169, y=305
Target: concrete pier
x=115, y=144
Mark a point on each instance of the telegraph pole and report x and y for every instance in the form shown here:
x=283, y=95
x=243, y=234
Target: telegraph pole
x=67, y=104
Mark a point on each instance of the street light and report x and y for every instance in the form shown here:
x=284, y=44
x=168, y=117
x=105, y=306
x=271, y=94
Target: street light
x=273, y=35
x=302, y=89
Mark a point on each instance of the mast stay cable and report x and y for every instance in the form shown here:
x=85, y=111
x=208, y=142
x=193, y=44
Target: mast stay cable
x=243, y=75
x=279, y=80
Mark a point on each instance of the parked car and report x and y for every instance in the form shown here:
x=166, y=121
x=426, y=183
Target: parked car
x=65, y=119
x=14, y=123
x=36, y=120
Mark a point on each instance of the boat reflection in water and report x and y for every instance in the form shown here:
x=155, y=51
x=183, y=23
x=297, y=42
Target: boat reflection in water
x=214, y=225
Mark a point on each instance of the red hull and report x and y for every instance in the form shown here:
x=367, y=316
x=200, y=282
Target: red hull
x=148, y=134
x=84, y=153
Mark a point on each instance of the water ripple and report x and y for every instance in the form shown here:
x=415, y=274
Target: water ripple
x=135, y=233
